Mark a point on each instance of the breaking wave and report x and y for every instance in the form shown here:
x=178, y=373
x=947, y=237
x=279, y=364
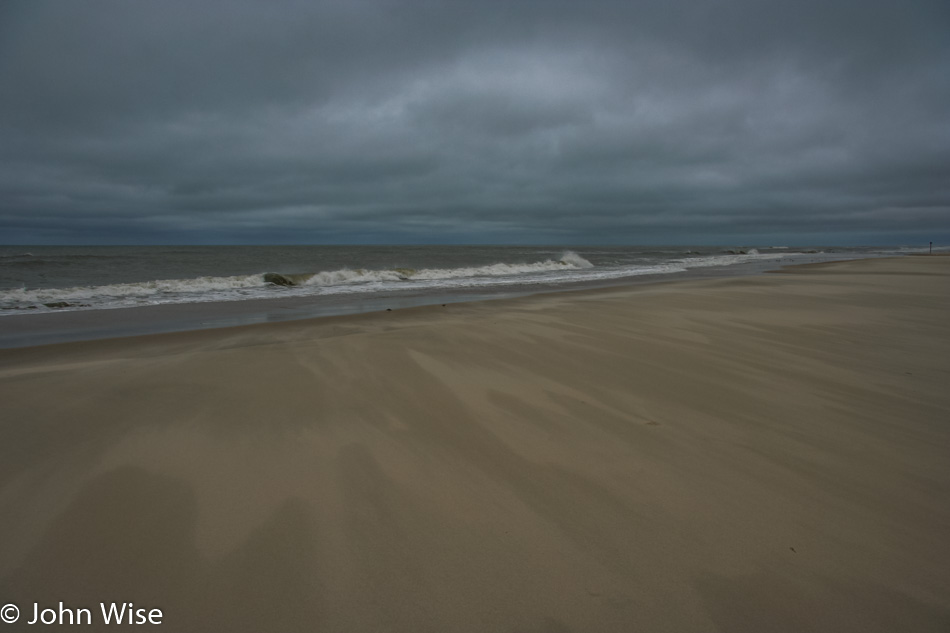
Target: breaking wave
x=568, y=267
x=202, y=289
x=129, y=290
x=568, y=260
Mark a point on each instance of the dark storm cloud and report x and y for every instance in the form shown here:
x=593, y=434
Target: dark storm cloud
x=458, y=121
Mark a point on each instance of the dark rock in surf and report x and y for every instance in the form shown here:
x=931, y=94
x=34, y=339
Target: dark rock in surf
x=58, y=304
x=278, y=279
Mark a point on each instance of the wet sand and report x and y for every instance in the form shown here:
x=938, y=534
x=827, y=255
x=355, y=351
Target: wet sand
x=767, y=453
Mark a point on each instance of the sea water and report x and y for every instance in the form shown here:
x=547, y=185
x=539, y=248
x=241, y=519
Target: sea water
x=42, y=279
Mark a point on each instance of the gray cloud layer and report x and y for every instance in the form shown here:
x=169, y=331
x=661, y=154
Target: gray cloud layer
x=548, y=121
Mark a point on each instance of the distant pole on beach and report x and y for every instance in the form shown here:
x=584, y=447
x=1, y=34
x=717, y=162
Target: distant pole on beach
x=931, y=248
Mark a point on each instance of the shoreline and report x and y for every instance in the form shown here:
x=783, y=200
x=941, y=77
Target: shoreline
x=729, y=454
x=28, y=330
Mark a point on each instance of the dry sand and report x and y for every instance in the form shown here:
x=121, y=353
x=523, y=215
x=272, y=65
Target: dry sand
x=749, y=454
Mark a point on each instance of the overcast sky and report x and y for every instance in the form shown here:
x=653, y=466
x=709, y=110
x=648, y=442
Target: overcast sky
x=703, y=122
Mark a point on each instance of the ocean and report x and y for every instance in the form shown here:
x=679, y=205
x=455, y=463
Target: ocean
x=320, y=280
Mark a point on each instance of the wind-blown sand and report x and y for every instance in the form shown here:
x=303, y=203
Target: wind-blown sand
x=766, y=453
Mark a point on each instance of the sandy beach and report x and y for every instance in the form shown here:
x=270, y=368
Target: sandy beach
x=762, y=453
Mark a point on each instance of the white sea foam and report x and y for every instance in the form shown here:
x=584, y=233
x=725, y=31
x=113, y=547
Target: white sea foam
x=569, y=260
x=727, y=260
x=130, y=291
x=348, y=276
x=567, y=267
x=573, y=262
x=573, y=259
x=201, y=289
